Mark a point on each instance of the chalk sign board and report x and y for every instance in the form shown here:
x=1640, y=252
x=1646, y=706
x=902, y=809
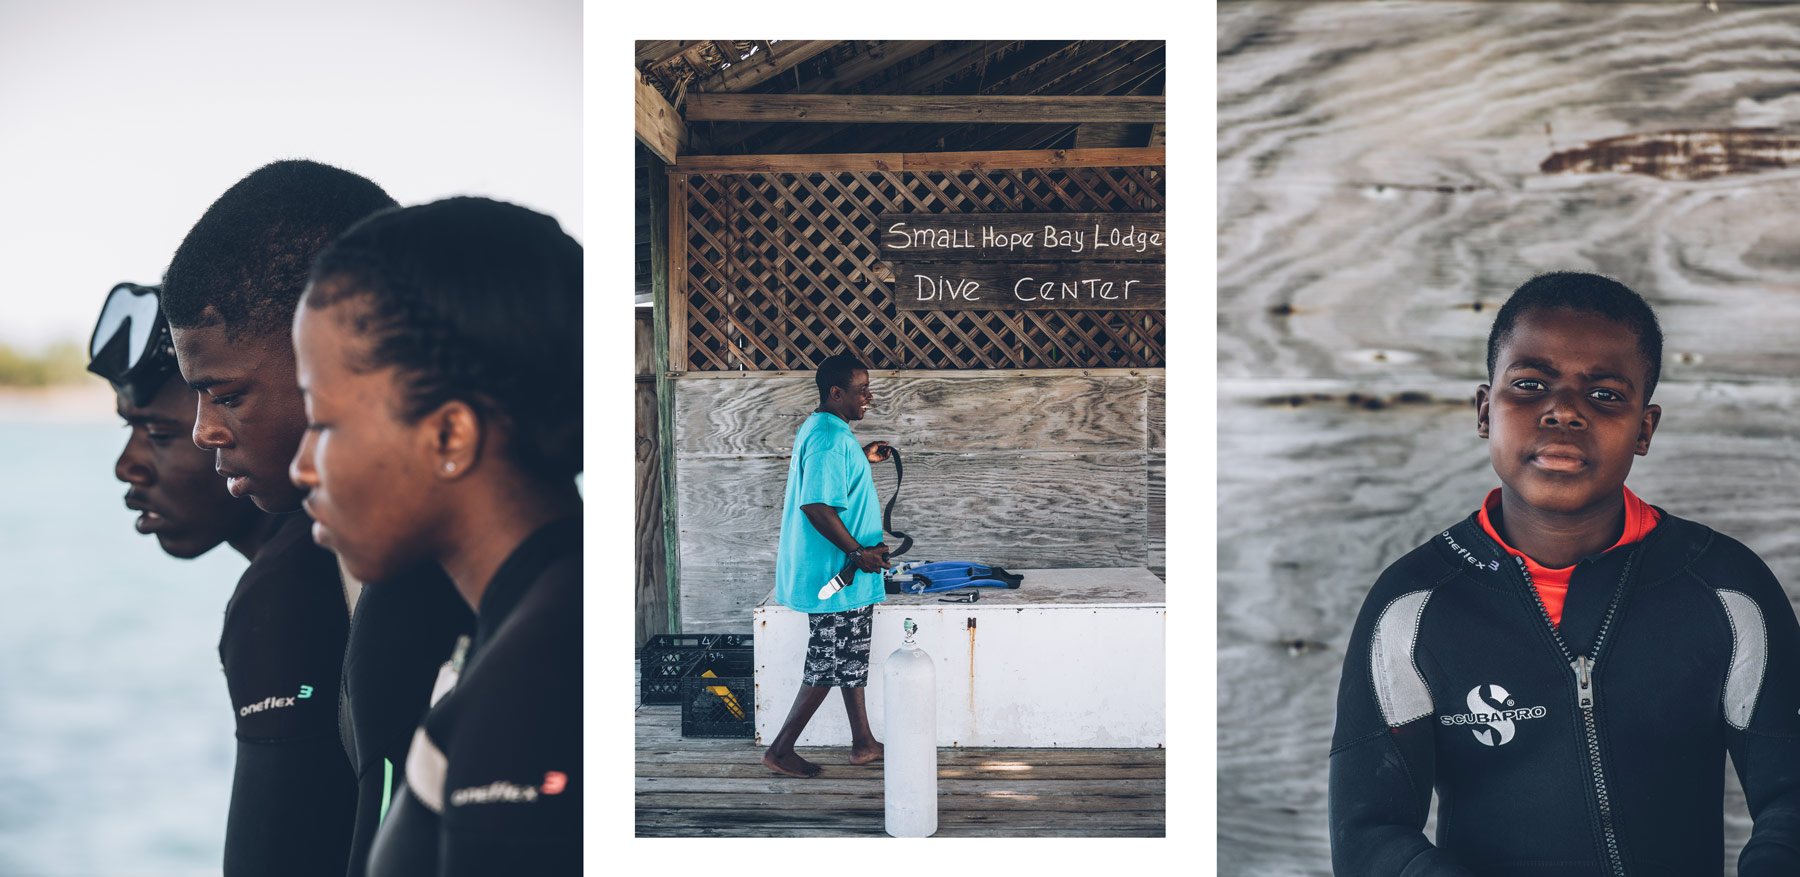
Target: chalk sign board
x=1098, y=286
x=1024, y=237
x=1025, y=261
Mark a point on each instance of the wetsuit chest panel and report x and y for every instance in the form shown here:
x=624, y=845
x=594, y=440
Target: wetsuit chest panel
x=1503, y=708
x=283, y=639
x=514, y=725
x=1660, y=707
x=282, y=648
x=1507, y=706
x=503, y=747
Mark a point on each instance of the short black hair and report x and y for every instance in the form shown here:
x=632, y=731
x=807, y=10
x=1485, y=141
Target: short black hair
x=1584, y=293
x=476, y=300
x=249, y=255
x=835, y=372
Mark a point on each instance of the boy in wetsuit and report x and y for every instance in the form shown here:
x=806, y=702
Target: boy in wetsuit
x=297, y=805
x=1568, y=666
x=830, y=515
x=180, y=500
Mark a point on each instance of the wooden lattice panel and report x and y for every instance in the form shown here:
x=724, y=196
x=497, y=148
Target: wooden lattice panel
x=783, y=268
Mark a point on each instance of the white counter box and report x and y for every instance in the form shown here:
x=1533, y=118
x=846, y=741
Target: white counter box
x=1074, y=658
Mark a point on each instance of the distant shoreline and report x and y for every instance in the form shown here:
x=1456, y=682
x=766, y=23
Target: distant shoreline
x=89, y=401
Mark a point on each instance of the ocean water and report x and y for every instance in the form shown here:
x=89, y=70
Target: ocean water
x=115, y=726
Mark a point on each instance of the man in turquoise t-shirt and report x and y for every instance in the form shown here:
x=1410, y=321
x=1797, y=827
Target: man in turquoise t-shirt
x=830, y=518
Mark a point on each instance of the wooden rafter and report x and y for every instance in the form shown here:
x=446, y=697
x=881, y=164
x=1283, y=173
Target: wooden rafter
x=659, y=126
x=876, y=58
x=652, y=52
x=1095, y=69
x=949, y=60
x=1005, y=69
x=766, y=64
x=866, y=108
x=917, y=161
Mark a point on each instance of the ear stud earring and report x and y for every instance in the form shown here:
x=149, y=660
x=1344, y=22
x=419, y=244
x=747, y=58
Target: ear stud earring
x=449, y=465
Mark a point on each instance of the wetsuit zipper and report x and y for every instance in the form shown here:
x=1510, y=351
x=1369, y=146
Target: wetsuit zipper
x=1583, y=667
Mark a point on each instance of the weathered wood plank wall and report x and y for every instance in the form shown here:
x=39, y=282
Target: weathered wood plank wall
x=1022, y=469
x=652, y=603
x=1387, y=175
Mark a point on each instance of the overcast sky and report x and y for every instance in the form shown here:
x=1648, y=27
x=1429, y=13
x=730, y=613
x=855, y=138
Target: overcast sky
x=120, y=122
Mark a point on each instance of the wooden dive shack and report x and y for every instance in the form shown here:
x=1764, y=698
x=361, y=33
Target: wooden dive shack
x=981, y=223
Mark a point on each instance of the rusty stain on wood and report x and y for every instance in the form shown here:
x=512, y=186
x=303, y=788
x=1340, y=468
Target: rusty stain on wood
x=972, y=713
x=1682, y=155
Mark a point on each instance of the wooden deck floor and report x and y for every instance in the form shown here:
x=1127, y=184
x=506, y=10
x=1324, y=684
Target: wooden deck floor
x=719, y=788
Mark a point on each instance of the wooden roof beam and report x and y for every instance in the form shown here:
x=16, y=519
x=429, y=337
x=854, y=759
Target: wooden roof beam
x=876, y=108
x=876, y=57
x=1024, y=72
x=776, y=60
x=947, y=68
x=949, y=58
x=653, y=52
x=921, y=161
x=1101, y=69
x=659, y=127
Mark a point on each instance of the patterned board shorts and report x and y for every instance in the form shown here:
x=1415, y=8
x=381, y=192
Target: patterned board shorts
x=837, y=652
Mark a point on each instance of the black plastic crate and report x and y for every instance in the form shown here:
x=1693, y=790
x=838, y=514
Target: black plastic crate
x=721, y=705
x=730, y=641
x=665, y=659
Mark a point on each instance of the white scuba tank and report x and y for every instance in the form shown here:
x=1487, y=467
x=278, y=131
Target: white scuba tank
x=909, y=778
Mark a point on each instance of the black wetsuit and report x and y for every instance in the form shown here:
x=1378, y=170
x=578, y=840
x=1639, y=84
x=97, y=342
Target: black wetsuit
x=494, y=778
x=404, y=629
x=1596, y=746
x=292, y=794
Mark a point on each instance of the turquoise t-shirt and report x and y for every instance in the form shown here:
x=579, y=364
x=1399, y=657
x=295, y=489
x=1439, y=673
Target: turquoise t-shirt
x=828, y=467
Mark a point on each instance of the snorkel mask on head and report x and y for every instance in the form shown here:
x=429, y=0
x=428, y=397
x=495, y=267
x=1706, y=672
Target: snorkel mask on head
x=131, y=346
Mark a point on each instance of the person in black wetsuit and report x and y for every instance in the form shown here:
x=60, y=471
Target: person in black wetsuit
x=439, y=352
x=303, y=700
x=178, y=498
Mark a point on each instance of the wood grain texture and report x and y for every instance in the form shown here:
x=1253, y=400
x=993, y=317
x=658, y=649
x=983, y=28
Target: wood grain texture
x=718, y=788
x=1018, y=469
x=948, y=412
x=919, y=161
x=1385, y=179
x=1028, y=158
x=648, y=52
x=665, y=300
x=1022, y=509
x=658, y=125
x=650, y=561
x=1323, y=483
x=1156, y=413
x=1156, y=512
x=761, y=66
x=676, y=274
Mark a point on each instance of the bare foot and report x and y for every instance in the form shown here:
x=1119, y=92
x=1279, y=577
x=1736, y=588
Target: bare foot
x=866, y=754
x=790, y=764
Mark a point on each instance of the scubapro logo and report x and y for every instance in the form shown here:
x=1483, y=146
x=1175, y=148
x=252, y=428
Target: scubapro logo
x=1494, y=708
